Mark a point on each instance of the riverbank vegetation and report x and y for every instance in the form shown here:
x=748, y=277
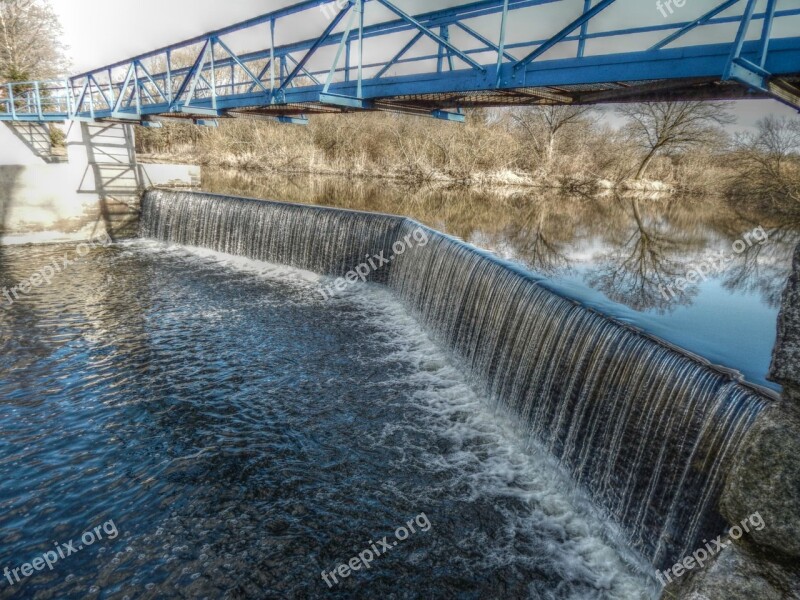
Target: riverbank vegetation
x=666, y=146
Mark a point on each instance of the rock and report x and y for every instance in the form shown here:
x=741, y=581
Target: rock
x=785, y=368
x=765, y=479
x=737, y=574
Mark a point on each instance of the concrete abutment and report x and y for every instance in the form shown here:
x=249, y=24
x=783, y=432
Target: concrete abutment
x=96, y=191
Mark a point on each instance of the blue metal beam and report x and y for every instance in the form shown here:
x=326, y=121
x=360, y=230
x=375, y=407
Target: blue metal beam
x=292, y=120
x=317, y=43
x=400, y=54
x=190, y=74
x=200, y=91
x=766, y=31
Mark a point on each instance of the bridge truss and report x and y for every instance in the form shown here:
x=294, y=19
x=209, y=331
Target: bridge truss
x=373, y=55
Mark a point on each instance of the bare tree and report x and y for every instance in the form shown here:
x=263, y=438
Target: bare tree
x=767, y=164
x=665, y=127
x=542, y=126
x=30, y=46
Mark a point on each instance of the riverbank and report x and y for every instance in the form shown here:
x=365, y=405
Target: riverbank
x=505, y=178
x=491, y=149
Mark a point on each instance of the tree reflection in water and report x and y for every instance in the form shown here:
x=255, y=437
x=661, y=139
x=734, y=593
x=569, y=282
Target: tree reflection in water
x=653, y=253
x=628, y=248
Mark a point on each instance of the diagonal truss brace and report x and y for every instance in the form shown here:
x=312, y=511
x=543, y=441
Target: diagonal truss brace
x=694, y=24
x=438, y=39
x=314, y=47
x=237, y=60
x=579, y=22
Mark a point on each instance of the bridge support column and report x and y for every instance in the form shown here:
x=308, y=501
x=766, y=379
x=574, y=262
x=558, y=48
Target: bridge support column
x=97, y=190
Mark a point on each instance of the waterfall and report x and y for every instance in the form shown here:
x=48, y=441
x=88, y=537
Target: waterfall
x=314, y=238
x=647, y=429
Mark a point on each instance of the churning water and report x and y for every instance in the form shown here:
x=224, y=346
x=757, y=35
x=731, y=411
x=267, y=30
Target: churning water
x=245, y=434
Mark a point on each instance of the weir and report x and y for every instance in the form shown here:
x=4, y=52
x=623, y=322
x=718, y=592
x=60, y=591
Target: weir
x=648, y=430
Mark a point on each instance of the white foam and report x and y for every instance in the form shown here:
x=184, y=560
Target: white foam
x=258, y=268
x=507, y=465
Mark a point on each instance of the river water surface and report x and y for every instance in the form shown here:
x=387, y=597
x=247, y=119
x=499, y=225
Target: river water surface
x=239, y=436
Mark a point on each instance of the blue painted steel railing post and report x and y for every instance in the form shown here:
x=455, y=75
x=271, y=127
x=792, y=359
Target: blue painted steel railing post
x=766, y=32
x=111, y=95
x=213, y=76
x=272, y=54
x=449, y=54
x=347, y=61
x=68, y=94
x=744, y=25
x=440, y=50
x=137, y=90
x=444, y=51
x=38, y=96
x=11, y=102
x=587, y=5
x=501, y=43
x=169, y=76
x=91, y=101
x=360, y=9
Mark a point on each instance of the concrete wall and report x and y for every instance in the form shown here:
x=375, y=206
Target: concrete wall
x=98, y=190
x=24, y=144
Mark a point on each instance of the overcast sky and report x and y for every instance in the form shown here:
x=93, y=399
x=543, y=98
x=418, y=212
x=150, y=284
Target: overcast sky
x=100, y=32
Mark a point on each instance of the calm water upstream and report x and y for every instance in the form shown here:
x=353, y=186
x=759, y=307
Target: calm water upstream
x=620, y=255
x=234, y=435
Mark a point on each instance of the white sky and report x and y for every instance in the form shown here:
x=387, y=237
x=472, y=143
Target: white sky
x=99, y=32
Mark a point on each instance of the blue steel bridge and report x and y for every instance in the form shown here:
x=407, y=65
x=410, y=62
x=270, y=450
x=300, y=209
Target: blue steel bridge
x=350, y=55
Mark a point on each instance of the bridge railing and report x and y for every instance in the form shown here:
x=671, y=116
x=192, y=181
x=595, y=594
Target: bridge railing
x=35, y=101
x=357, y=64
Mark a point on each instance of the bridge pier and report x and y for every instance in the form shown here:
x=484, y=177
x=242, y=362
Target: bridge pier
x=96, y=191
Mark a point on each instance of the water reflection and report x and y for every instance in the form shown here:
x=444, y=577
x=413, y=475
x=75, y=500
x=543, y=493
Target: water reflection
x=614, y=253
x=763, y=269
x=628, y=248
x=645, y=257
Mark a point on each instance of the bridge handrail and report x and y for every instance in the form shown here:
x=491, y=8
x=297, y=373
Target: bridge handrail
x=127, y=89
